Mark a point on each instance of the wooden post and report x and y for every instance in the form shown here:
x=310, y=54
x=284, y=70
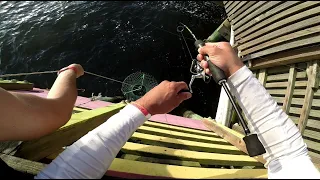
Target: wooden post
x=190, y=114
x=249, y=61
x=255, y=73
x=313, y=84
x=263, y=76
x=231, y=136
x=290, y=89
x=221, y=33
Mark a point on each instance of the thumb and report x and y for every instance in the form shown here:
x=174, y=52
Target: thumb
x=203, y=50
x=184, y=96
x=207, y=49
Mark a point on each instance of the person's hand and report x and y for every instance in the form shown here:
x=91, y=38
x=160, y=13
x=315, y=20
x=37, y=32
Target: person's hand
x=222, y=55
x=79, y=68
x=164, y=97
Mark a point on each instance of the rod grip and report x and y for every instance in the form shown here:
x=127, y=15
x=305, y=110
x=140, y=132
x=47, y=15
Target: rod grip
x=217, y=73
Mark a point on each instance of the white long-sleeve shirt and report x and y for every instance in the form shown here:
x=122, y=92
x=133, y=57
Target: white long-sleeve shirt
x=286, y=153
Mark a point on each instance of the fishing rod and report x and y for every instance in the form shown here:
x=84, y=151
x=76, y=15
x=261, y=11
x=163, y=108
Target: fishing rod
x=253, y=144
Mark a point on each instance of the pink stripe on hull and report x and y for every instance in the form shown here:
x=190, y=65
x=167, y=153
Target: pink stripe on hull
x=80, y=100
x=161, y=118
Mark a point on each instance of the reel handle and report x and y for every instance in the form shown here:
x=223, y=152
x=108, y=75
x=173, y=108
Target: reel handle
x=217, y=73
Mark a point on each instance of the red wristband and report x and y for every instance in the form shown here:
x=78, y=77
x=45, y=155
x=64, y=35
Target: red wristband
x=142, y=109
x=66, y=68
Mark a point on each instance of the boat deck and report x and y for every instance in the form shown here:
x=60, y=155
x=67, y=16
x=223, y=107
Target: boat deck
x=166, y=146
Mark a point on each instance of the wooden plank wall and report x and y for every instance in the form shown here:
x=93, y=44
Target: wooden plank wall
x=266, y=29
x=295, y=87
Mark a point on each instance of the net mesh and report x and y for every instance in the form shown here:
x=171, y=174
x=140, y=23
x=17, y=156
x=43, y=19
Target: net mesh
x=137, y=84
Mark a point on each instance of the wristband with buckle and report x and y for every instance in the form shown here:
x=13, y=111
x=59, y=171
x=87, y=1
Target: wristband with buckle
x=66, y=68
x=142, y=109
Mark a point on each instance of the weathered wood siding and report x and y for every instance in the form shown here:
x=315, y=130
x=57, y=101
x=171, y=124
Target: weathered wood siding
x=280, y=42
x=271, y=32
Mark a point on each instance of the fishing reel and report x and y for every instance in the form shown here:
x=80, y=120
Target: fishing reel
x=253, y=144
x=195, y=69
x=197, y=73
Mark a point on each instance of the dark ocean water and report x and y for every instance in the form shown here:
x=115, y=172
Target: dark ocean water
x=111, y=38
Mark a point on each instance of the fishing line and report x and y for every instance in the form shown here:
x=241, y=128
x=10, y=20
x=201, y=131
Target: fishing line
x=184, y=51
x=150, y=23
x=86, y=72
x=180, y=30
x=23, y=74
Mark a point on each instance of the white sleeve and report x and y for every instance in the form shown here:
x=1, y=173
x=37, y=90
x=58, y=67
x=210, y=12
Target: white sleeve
x=91, y=156
x=286, y=152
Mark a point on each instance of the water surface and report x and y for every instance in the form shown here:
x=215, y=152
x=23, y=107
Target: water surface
x=111, y=38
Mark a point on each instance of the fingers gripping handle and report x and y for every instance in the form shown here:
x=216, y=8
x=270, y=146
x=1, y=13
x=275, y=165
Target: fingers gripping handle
x=253, y=144
x=217, y=73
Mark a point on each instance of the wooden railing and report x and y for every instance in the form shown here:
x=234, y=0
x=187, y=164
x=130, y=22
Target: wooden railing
x=79, y=125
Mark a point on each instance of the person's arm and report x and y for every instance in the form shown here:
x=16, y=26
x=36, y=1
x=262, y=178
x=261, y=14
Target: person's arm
x=286, y=153
x=91, y=156
x=25, y=116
